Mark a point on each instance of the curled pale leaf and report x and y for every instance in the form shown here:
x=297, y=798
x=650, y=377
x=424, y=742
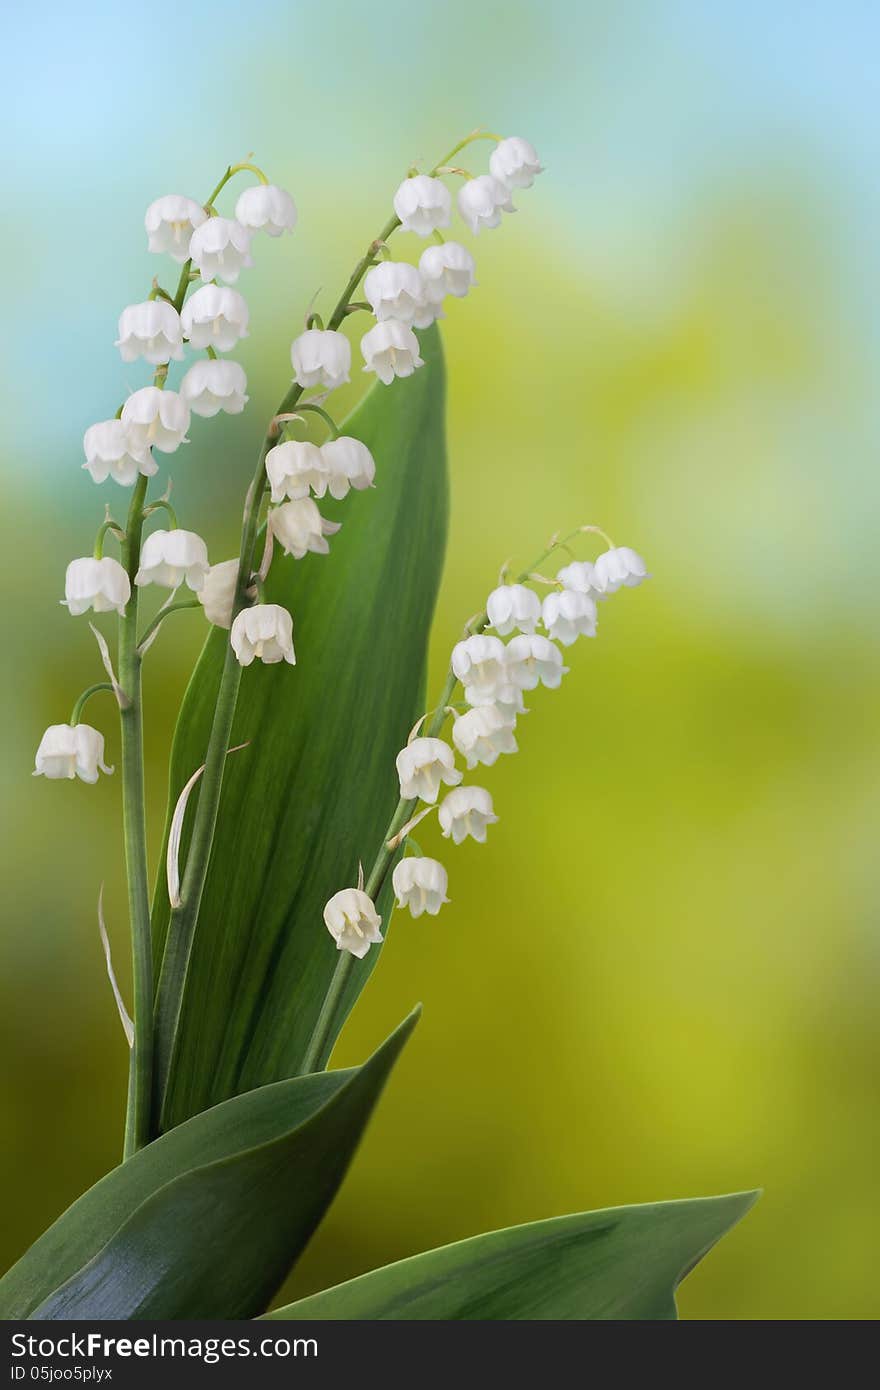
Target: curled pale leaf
x=125, y=1017
x=398, y=839
x=175, y=830
x=121, y=698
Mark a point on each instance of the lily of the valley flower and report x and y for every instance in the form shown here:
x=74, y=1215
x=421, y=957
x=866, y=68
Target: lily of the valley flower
x=102, y=585
x=111, y=453
x=513, y=606
x=619, y=568
x=299, y=527
x=580, y=576
x=391, y=349
x=420, y=884
x=151, y=330
x=266, y=208
x=170, y=222
x=568, y=615
x=515, y=163
x=482, y=200
x=480, y=663
x=263, y=633
x=171, y=558
x=71, y=750
x=220, y=248
x=423, y=204
x=215, y=317
x=446, y=269
x=321, y=357
x=422, y=765
x=217, y=594
x=482, y=734
x=352, y=920
x=348, y=464
x=209, y=387
x=394, y=290
x=534, y=660
x=294, y=468
x=466, y=811
x=157, y=419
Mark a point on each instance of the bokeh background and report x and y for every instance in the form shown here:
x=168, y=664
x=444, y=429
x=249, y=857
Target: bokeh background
x=659, y=977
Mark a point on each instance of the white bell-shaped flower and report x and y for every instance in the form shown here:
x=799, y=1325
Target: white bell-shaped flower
x=215, y=317
x=391, y=349
x=263, y=633
x=515, y=163
x=568, y=615
x=110, y=453
x=513, y=606
x=156, y=419
x=466, y=811
x=422, y=765
x=347, y=464
x=580, y=576
x=217, y=594
x=482, y=200
x=211, y=386
x=482, y=734
x=299, y=527
x=295, y=468
x=102, y=585
x=394, y=290
x=447, y=269
x=423, y=204
x=170, y=222
x=480, y=663
x=321, y=357
x=172, y=558
x=150, y=330
x=427, y=313
x=509, y=706
x=533, y=661
x=220, y=249
x=352, y=920
x=619, y=568
x=420, y=884
x=266, y=208
x=68, y=750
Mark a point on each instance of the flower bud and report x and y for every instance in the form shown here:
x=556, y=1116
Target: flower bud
x=264, y=633
x=619, y=568
x=420, y=884
x=266, y=208
x=211, y=386
x=515, y=163
x=423, y=204
x=220, y=248
x=466, y=811
x=580, y=576
x=299, y=527
x=170, y=222
x=150, y=330
x=102, y=585
x=422, y=765
x=321, y=357
x=70, y=751
x=215, y=317
x=391, y=349
x=352, y=920
x=482, y=200
x=217, y=594
x=170, y=558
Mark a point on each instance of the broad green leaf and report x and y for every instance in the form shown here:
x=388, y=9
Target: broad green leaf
x=315, y=789
x=620, y=1264
x=206, y=1221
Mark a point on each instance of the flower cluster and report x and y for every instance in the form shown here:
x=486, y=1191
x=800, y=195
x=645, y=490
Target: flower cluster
x=494, y=675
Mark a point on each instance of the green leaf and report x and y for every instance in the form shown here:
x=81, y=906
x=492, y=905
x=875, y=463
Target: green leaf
x=206, y=1221
x=620, y=1264
x=315, y=789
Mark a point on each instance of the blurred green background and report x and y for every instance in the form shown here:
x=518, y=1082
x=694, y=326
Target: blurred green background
x=659, y=977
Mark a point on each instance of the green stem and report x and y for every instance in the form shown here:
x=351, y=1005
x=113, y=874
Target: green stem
x=80, y=705
x=161, y=616
x=103, y=529
x=325, y=416
x=162, y=504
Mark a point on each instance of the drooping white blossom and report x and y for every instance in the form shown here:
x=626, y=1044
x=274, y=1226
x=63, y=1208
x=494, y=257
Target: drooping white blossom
x=420, y=884
x=111, y=453
x=348, y=463
x=170, y=222
x=156, y=419
x=482, y=734
x=533, y=661
x=71, y=750
x=151, y=330
x=263, y=633
x=580, y=576
x=619, y=568
x=513, y=606
x=211, y=386
x=299, y=527
x=480, y=663
x=102, y=585
x=427, y=312
x=391, y=349
x=466, y=811
x=568, y=615
x=220, y=248
x=482, y=200
x=172, y=558
x=423, y=204
x=352, y=920
x=515, y=163
x=321, y=357
x=295, y=468
x=217, y=594
x=422, y=765
x=394, y=290
x=509, y=705
x=266, y=208
x=447, y=269
x=215, y=317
